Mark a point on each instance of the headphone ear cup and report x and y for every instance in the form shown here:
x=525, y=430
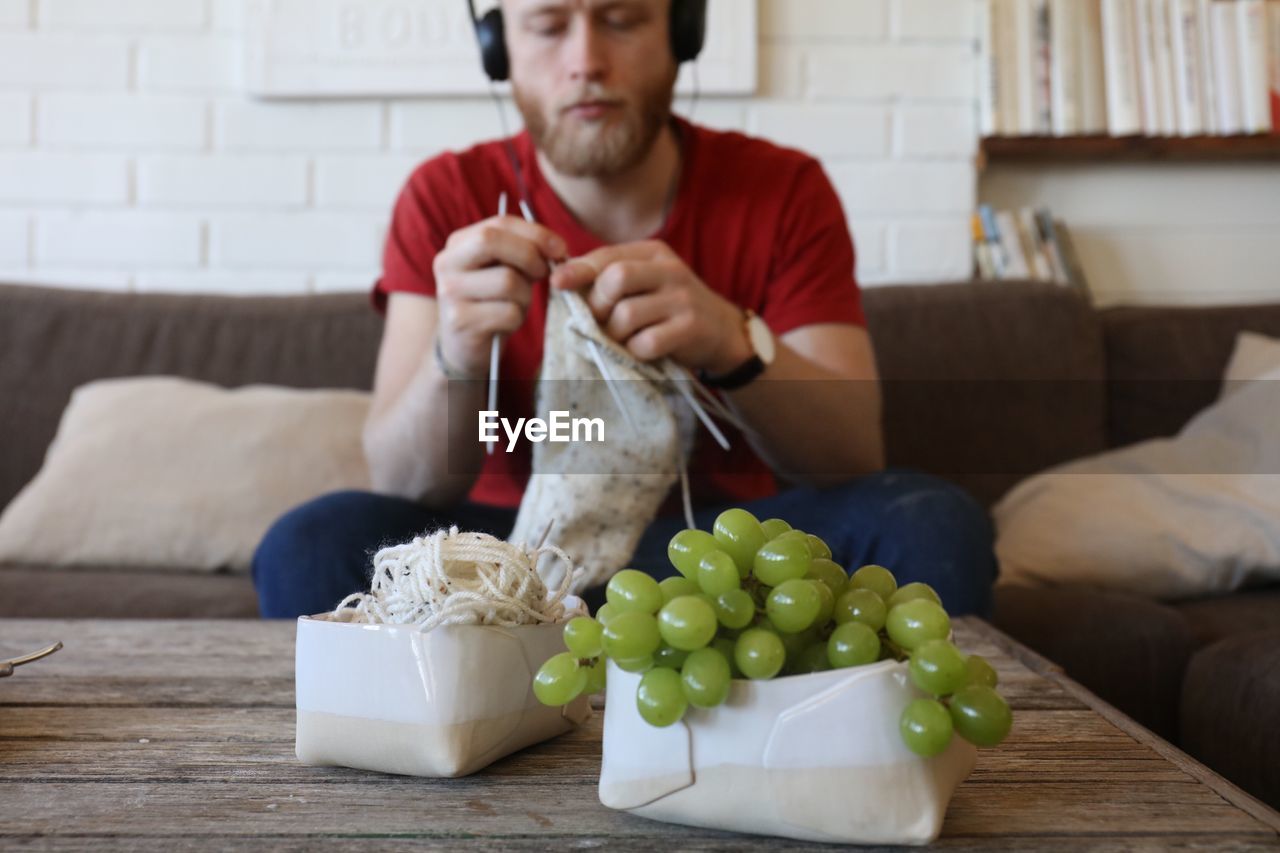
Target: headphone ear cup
x=688, y=28
x=491, y=33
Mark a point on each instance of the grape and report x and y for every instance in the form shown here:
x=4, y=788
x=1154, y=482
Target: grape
x=583, y=636
x=911, y=592
x=706, y=677
x=773, y=528
x=937, y=667
x=852, y=644
x=630, y=636
x=596, y=677
x=735, y=609
x=980, y=715
x=978, y=671
x=605, y=613
x=813, y=659
x=759, y=654
x=785, y=558
x=669, y=657
x=717, y=573
x=660, y=697
x=818, y=548
x=676, y=586
x=861, y=605
x=916, y=622
x=642, y=664
x=740, y=536
x=687, y=622
x=725, y=646
x=630, y=590
x=878, y=579
x=827, y=601
x=793, y=606
x=560, y=680
x=686, y=549
x=926, y=727
x=829, y=573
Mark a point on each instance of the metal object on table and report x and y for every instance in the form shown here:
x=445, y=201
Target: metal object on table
x=7, y=667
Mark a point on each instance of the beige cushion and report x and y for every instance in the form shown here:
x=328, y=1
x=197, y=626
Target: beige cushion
x=171, y=474
x=1253, y=358
x=1183, y=517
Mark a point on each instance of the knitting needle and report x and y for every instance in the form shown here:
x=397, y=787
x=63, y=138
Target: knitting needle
x=596, y=355
x=7, y=667
x=495, y=351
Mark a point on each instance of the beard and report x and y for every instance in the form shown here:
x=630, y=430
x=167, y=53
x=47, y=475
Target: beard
x=599, y=149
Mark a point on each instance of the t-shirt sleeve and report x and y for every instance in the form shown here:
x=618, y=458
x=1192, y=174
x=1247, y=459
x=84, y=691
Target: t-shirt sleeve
x=427, y=211
x=812, y=278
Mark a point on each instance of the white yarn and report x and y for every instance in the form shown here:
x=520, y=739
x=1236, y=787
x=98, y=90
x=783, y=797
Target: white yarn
x=452, y=578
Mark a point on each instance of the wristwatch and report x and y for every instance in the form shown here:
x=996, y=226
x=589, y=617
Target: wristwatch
x=764, y=350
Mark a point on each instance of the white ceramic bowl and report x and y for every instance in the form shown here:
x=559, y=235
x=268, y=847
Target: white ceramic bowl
x=443, y=702
x=814, y=757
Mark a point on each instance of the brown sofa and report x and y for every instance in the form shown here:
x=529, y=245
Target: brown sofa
x=985, y=384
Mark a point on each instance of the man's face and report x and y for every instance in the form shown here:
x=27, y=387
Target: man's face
x=592, y=78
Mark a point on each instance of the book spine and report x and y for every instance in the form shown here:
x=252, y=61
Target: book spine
x=1124, y=116
x=981, y=251
x=1024, y=51
x=1093, y=86
x=1208, y=71
x=1162, y=53
x=1042, y=67
x=1148, y=100
x=1004, y=18
x=1049, y=234
x=1251, y=31
x=1033, y=246
x=1273, y=61
x=1011, y=245
x=988, y=72
x=991, y=232
x=1186, y=54
x=1070, y=257
x=1064, y=72
x=1226, y=60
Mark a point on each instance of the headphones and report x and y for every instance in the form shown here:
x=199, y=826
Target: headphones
x=688, y=33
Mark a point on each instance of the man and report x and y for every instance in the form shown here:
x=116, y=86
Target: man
x=673, y=233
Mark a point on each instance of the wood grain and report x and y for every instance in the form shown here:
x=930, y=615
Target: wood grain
x=1041, y=149
x=179, y=735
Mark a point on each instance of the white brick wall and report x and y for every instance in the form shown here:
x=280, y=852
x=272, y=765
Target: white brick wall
x=130, y=159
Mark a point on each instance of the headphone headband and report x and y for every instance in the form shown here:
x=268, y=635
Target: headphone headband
x=688, y=34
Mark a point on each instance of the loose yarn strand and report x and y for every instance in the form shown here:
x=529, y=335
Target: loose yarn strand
x=452, y=578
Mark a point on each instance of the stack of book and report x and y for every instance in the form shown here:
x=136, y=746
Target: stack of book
x=1129, y=67
x=1024, y=244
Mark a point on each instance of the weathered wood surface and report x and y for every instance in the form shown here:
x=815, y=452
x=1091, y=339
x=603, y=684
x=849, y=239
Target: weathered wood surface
x=179, y=735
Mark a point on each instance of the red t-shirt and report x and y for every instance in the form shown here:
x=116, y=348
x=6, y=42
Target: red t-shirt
x=761, y=225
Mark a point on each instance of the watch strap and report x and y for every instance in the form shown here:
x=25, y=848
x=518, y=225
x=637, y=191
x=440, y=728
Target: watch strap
x=739, y=377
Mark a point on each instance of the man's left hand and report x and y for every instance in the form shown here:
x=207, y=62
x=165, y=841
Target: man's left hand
x=646, y=298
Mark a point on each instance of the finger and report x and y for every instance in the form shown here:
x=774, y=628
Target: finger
x=660, y=340
x=497, y=242
x=621, y=280
x=581, y=271
x=491, y=284
x=636, y=313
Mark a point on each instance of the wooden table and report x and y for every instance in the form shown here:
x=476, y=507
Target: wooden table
x=175, y=735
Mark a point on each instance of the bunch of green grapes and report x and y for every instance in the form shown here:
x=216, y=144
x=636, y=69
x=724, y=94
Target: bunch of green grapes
x=760, y=599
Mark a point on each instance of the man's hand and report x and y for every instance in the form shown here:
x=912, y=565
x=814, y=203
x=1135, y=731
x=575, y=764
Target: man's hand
x=484, y=279
x=646, y=298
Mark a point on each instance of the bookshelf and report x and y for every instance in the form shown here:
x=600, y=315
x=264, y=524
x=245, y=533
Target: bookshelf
x=1100, y=149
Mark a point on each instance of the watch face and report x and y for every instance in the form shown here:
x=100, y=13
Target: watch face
x=761, y=340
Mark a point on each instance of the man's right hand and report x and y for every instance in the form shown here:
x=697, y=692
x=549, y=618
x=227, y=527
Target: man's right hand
x=484, y=278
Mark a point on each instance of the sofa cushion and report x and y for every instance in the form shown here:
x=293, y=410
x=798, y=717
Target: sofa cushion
x=165, y=473
x=52, y=341
x=1230, y=704
x=1128, y=650
x=34, y=592
x=1212, y=619
x=987, y=382
x=1166, y=364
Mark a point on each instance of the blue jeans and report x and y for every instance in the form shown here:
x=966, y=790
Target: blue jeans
x=920, y=527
